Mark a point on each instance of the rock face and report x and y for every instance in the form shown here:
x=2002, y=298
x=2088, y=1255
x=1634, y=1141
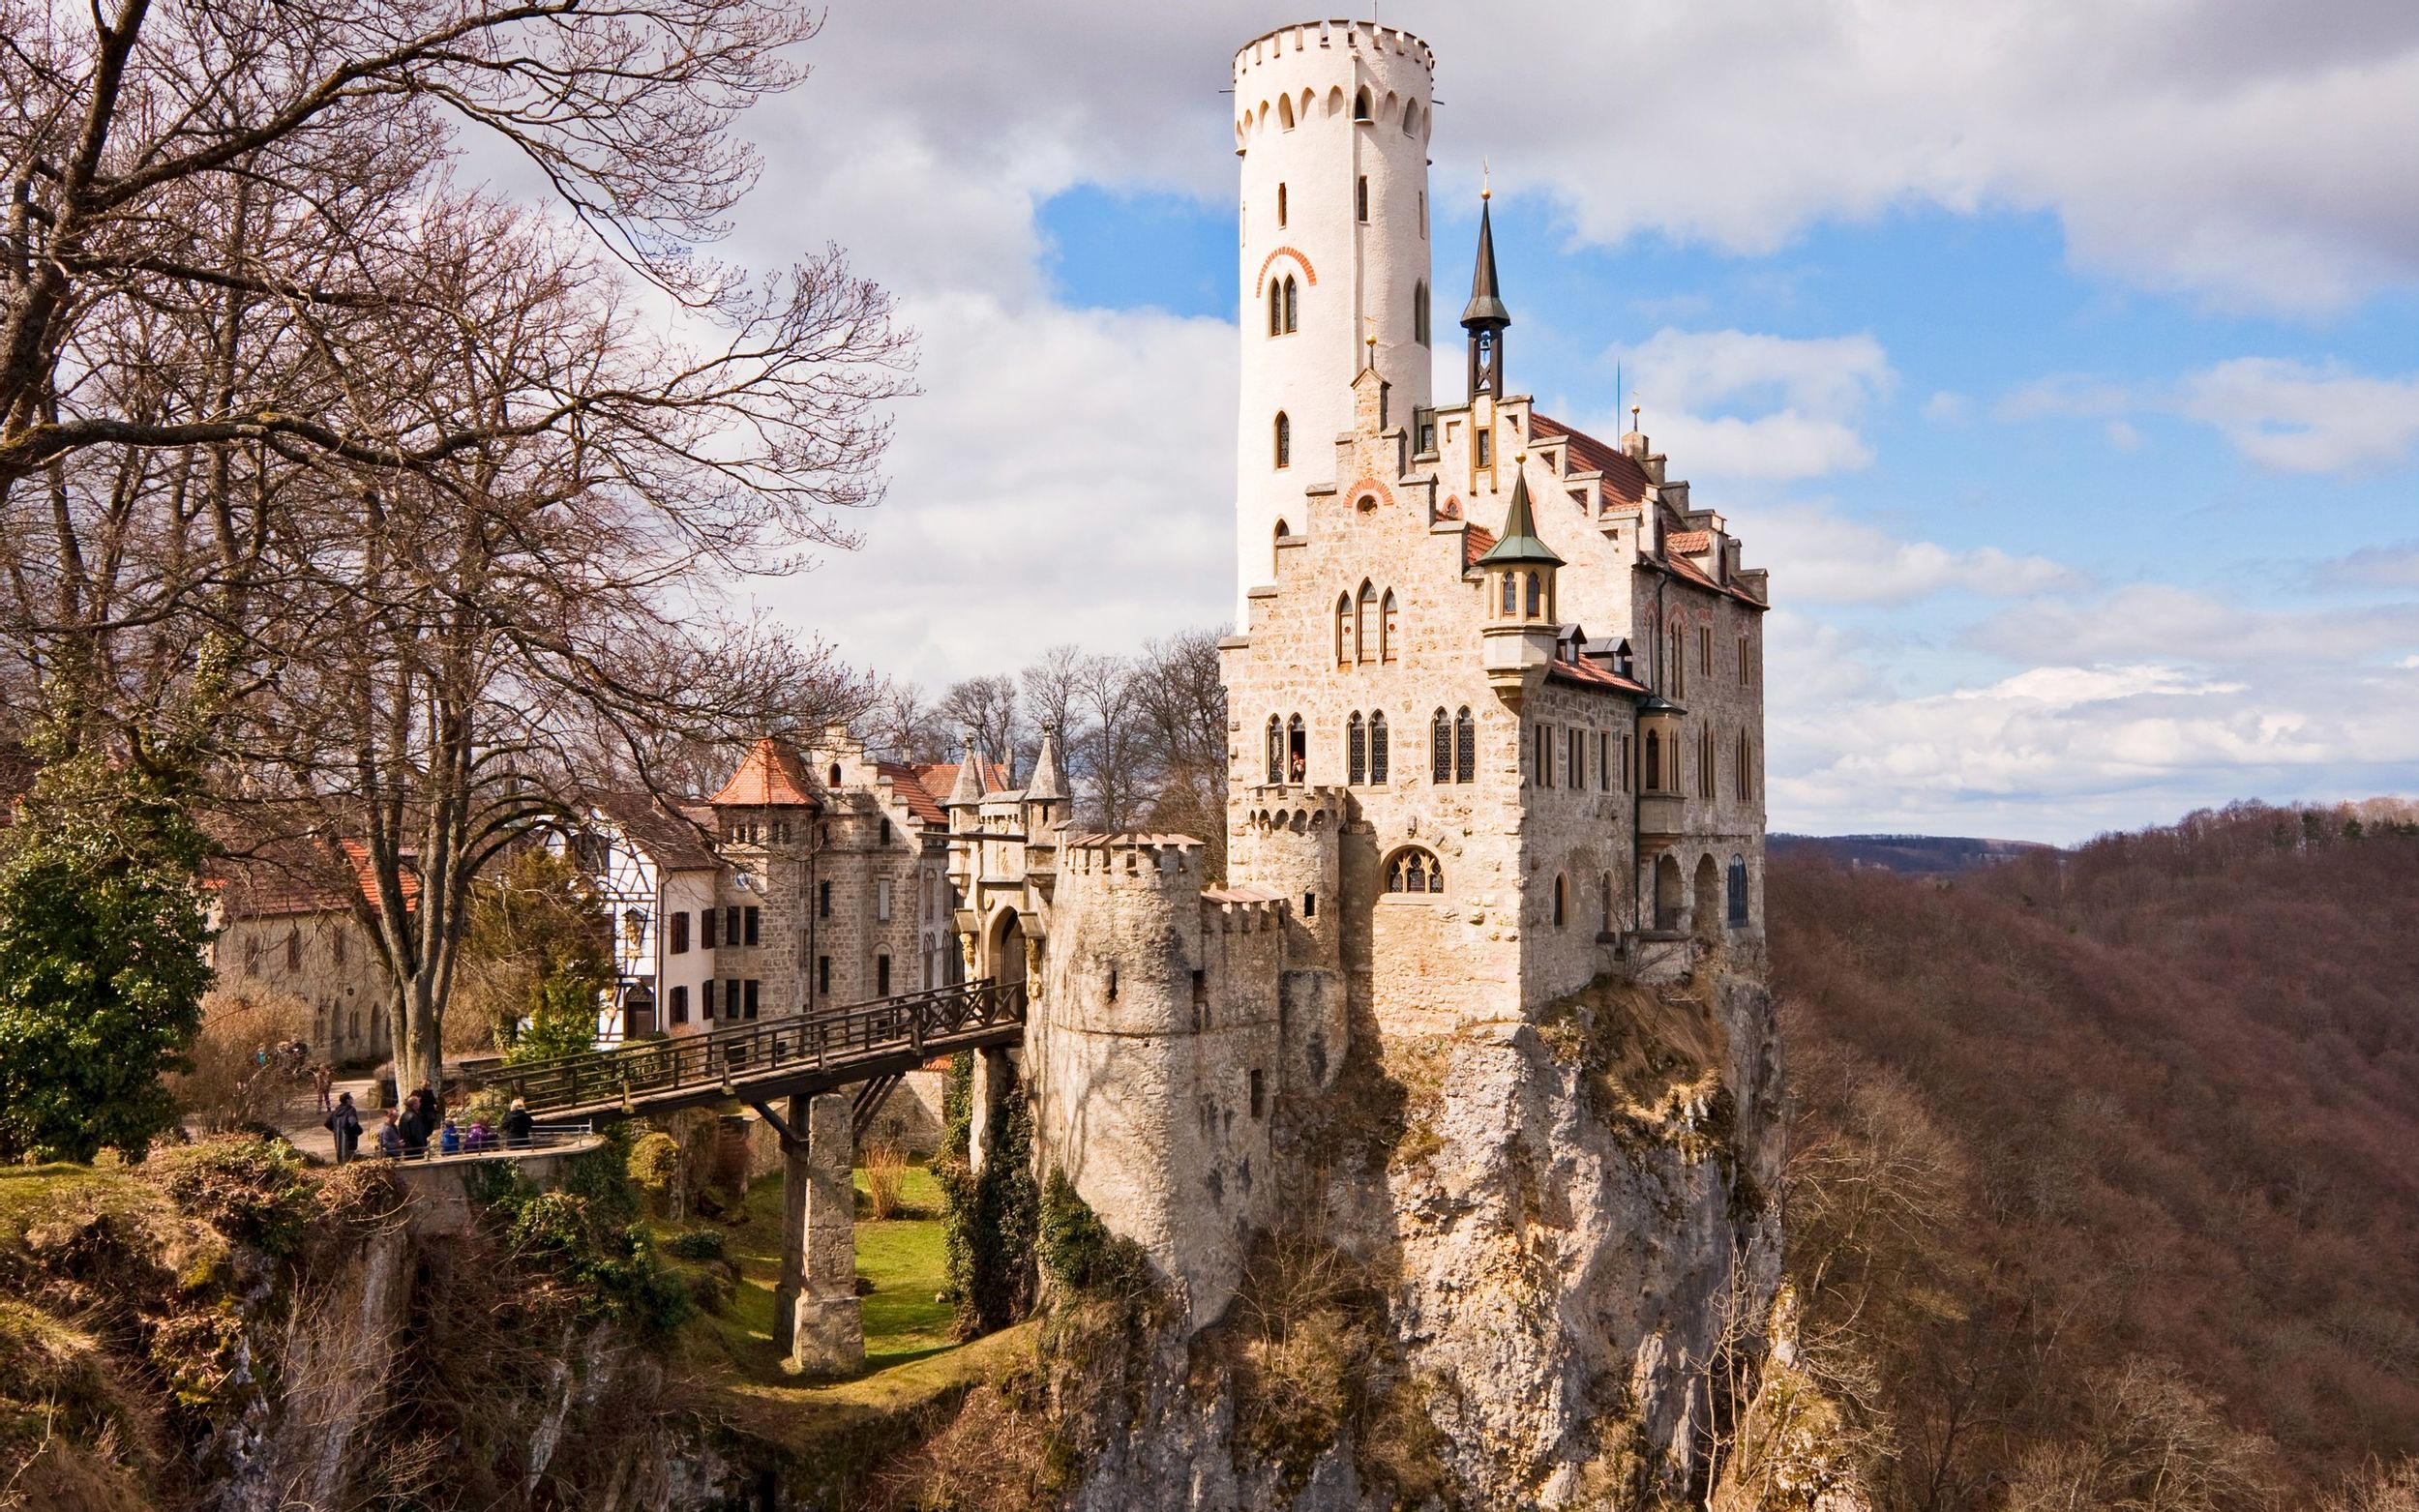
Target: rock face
x=1527, y=1264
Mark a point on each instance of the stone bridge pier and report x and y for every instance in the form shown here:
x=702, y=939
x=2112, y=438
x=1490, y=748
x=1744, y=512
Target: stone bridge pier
x=817, y=1320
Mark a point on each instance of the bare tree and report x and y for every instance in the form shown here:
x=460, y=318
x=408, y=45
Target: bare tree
x=1177, y=692
x=399, y=473
x=989, y=708
x=901, y=723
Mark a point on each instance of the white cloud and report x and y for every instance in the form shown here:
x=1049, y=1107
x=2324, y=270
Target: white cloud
x=1811, y=393
x=1067, y=476
x=2281, y=414
x=1946, y=408
x=2297, y=418
x=2193, y=145
x=2395, y=566
x=2142, y=620
x=2058, y=750
x=1827, y=559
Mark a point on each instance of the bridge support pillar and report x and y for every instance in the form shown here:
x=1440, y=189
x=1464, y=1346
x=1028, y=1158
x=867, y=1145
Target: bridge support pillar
x=816, y=1320
x=993, y=1080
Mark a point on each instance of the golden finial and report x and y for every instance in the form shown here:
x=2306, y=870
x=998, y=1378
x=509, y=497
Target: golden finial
x=1634, y=407
x=1486, y=179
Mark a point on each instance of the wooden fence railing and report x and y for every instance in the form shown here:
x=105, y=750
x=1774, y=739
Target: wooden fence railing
x=868, y=1034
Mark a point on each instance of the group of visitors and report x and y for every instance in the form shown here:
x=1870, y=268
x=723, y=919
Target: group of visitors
x=422, y=1123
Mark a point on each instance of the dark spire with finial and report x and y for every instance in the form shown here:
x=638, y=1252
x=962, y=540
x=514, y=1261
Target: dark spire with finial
x=1485, y=317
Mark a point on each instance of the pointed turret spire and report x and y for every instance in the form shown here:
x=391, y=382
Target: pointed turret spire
x=1485, y=317
x=1519, y=543
x=967, y=791
x=1049, y=782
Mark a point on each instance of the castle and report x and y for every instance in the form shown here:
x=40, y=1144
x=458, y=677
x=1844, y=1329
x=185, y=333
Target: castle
x=1495, y=710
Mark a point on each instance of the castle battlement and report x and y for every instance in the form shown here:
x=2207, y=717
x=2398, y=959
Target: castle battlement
x=1341, y=35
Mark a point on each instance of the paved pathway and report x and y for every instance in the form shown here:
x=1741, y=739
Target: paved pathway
x=301, y=1115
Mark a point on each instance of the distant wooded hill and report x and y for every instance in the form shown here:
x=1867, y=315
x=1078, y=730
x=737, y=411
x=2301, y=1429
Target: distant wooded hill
x=2105, y=1169
x=1910, y=855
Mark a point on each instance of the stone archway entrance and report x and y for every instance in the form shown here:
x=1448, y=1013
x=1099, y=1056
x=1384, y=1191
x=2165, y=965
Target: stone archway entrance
x=1005, y=952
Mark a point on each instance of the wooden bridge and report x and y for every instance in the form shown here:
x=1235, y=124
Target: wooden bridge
x=869, y=1046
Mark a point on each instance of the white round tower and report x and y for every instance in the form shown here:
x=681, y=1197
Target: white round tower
x=1331, y=120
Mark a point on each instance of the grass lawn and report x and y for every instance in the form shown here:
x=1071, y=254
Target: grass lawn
x=903, y=1258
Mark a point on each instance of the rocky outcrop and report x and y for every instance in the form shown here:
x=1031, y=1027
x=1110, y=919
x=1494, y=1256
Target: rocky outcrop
x=1531, y=1262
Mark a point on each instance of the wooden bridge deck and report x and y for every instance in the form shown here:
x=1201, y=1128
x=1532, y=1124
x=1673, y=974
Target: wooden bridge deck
x=779, y=1057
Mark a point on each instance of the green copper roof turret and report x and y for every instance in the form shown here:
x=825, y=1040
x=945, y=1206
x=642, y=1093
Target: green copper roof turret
x=1519, y=545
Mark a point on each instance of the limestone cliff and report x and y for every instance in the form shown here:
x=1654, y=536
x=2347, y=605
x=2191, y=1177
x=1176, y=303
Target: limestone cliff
x=220, y=1331
x=1529, y=1262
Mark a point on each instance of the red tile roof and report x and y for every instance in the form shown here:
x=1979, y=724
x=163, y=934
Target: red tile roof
x=1588, y=674
x=909, y=783
x=299, y=876
x=1624, y=478
x=770, y=775
x=1476, y=542
x=1689, y=543
x=939, y=778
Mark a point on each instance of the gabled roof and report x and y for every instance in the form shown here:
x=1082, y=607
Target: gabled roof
x=771, y=775
x=941, y=777
x=298, y=876
x=1687, y=543
x=1624, y=478
x=1475, y=541
x=670, y=837
x=921, y=801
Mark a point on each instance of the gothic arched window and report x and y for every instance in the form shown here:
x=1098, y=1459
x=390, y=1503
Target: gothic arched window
x=1276, y=307
x=1536, y=595
x=1561, y=911
x=1654, y=761
x=1292, y=305
x=1343, y=629
x=1296, y=751
x=1360, y=105
x=1377, y=746
x=1276, y=751
x=1285, y=111
x=1385, y=628
x=1511, y=595
x=1675, y=663
x=1746, y=769
x=1412, y=871
x=1465, y=747
x=1355, y=750
x=1440, y=748
x=1420, y=311
x=1283, y=436
x=1364, y=615
x=1738, y=891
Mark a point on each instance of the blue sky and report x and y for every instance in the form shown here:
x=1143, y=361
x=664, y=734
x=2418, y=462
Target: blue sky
x=2061, y=361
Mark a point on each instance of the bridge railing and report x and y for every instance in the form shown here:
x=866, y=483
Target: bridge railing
x=865, y=1031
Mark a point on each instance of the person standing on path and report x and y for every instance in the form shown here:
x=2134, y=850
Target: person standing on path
x=344, y=1124
x=414, y=1127
x=516, y=1126
x=322, y=1080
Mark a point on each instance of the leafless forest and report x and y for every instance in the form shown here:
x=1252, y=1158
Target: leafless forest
x=2104, y=1184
